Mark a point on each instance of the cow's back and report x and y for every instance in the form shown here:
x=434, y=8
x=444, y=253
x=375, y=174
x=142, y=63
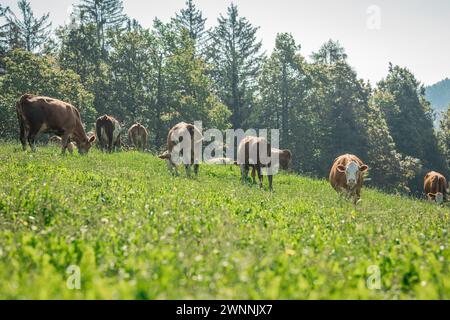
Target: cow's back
x=52, y=114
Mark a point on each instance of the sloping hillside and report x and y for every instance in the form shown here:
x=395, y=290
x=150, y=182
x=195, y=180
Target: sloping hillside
x=134, y=231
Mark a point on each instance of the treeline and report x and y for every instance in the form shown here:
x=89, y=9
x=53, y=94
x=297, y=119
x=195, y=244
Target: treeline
x=106, y=63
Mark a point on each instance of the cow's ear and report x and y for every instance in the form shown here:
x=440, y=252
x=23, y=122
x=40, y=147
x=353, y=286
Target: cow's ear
x=92, y=139
x=340, y=168
x=363, y=168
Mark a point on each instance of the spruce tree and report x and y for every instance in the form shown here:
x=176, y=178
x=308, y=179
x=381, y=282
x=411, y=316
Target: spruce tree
x=330, y=53
x=104, y=14
x=28, y=32
x=191, y=19
x=234, y=53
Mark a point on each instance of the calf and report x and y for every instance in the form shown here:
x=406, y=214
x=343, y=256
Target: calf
x=58, y=140
x=435, y=186
x=347, y=176
x=187, y=139
x=256, y=153
x=137, y=136
x=38, y=114
x=108, y=132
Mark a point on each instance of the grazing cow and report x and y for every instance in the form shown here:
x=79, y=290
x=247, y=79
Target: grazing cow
x=58, y=140
x=435, y=186
x=347, y=176
x=284, y=158
x=176, y=141
x=137, y=136
x=256, y=153
x=108, y=132
x=37, y=114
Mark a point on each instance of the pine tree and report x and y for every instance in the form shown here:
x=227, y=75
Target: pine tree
x=191, y=19
x=28, y=32
x=105, y=15
x=234, y=54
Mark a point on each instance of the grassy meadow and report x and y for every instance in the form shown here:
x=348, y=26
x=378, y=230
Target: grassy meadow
x=136, y=232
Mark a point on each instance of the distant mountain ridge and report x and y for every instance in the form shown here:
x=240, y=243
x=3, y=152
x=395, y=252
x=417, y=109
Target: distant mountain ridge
x=439, y=95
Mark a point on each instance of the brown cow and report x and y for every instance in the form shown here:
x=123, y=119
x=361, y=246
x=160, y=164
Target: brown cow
x=284, y=158
x=37, y=114
x=137, y=136
x=255, y=152
x=435, y=186
x=58, y=140
x=347, y=176
x=108, y=132
x=187, y=139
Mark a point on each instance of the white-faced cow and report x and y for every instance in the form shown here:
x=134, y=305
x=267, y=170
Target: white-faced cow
x=108, y=132
x=137, y=136
x=435, y=186
x=183, y=147
x=255, y=152
x=347, y=176
x=37, y=114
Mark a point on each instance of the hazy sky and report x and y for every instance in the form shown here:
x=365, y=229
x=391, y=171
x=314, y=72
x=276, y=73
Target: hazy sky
x=411, y=33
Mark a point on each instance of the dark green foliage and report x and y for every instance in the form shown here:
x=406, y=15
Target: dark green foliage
x=410, y=120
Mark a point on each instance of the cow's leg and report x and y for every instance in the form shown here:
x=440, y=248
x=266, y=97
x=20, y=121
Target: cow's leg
x=356, y=197
x=196, y=167
x=110, y=144
x=260, y=176
x=64, y=143
x=270, y=178
x=188, y=170
x=253, y=174
x=23, y=139
x=171, y=167
x=244, y=172
x=32, y=138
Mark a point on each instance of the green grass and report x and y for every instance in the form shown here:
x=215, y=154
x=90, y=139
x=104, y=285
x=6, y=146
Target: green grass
x=138, y=233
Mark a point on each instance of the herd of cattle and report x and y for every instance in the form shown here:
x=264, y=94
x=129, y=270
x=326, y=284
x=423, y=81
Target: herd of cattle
x=38, y=114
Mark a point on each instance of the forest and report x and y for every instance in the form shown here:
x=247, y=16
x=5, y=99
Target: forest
x=104, y=62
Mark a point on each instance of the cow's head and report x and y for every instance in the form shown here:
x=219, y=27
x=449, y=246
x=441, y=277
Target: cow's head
x=84, y=146
x=165, y=156
x=438, y=197
x=353, y=172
